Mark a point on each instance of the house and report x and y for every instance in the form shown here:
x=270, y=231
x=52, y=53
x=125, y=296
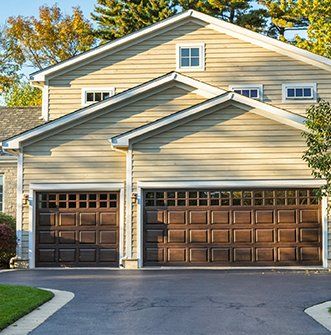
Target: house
x=178, y=145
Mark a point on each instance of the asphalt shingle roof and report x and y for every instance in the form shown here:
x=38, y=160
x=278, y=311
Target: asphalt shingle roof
x=15, y=120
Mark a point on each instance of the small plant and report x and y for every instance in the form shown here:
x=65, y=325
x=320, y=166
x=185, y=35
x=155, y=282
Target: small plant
x=7, y=239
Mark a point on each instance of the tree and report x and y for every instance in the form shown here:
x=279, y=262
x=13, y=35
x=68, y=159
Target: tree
x=240, y=12
x=117, y=18
x=318, y=139
x=22, y=94
x=318, y=17
x=8, y=66
x=49, y=39
x=284, y=14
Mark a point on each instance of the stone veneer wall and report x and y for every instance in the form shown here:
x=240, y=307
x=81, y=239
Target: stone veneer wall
x=9, y=170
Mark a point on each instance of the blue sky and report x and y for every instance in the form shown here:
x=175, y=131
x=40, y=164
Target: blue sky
x=30, y=7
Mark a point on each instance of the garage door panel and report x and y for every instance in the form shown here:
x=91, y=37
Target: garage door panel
x=67, y=237
x=233, y=227
x=263, y=217
x=82, y=227
x=67, y=219
x=87, y=219
x=220, y=217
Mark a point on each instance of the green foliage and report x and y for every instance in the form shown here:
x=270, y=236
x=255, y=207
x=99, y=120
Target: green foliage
x=8, y=220
x=318, y=139
x=117, y=18
x=8, y=65
x=17, y=301
x=240, y=12
x=49, y=39
x=22, y=94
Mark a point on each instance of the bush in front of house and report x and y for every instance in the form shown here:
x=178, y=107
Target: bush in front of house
x=7, y=239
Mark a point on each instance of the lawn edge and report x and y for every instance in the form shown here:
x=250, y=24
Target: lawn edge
x=321, y=314
x=38, y=316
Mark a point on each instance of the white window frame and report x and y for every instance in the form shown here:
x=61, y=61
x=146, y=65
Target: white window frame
x=294, y=100
x=111, y=91
x=259, y=87
x=201, y=47
x=2, y=204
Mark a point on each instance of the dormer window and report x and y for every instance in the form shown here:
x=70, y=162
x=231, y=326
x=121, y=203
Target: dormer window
x=251, y=91
x=296, y=92
x=191, y=57
x=96, y=94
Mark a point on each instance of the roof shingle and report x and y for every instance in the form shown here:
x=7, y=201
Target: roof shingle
x=15, y=120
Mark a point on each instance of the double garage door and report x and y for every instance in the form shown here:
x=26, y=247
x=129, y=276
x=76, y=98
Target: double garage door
x=184, y=228
x=232, y=227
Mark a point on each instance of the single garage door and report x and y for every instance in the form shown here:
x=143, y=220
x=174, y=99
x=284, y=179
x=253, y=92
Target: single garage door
x=232, y=227
x=77, y=229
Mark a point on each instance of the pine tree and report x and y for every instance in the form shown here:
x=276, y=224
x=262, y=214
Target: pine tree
x=117, y=18
x=240, y=12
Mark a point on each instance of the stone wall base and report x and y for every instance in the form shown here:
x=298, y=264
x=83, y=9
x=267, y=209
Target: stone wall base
x=16, y=263
x=130, y=264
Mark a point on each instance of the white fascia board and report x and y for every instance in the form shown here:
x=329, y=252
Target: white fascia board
x=41, y=76
x=271, y=112
x=123, y=141
x=14, y=143
x=264, y=41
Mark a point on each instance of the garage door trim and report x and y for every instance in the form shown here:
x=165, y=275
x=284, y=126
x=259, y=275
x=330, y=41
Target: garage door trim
x=67, y=187
x=267, y=183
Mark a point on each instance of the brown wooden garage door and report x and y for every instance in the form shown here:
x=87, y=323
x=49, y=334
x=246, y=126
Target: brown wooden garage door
x=77, y=229
x=232, y=227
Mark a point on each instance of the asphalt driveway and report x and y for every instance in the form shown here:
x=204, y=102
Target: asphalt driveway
x=180, y=302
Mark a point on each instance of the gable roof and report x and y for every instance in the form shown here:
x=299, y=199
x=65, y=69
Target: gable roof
x=201, y=88
x=260, y=108
x=15, y=120
x=215, y=23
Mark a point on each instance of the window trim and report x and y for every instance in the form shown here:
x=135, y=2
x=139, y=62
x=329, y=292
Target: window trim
x=249, y=86
x=109, y=89
x=201, y=46
x=301, y=100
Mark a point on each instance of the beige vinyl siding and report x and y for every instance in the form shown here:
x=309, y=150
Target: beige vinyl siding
x=229, y=61
x=228, y=144
x=83, y=152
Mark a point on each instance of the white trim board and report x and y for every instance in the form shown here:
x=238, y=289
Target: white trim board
x=214, y=23
x=260, y=108
x=272, y=183
x=14, y=142
x=34, y=188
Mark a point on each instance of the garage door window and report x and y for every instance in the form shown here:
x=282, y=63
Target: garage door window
x=232, y=198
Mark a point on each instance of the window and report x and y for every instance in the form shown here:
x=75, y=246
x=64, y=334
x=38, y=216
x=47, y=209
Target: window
x=1, y=193
x=299, y=92
x=96, y=94
x=191, y=57
x=251, y=91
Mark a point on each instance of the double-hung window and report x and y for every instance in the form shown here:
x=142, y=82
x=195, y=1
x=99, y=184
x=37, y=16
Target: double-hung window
x=96, y=94
x=1, y=193
x=296, y=92
x=191, y=57
x=251, y=91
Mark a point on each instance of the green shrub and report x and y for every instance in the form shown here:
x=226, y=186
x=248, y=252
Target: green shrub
x=7, y=239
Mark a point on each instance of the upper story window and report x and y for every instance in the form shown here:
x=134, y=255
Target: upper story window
x=191, y=57
x=250, y=91
x=296, y=92
x=1, y=193
x=95, y=94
